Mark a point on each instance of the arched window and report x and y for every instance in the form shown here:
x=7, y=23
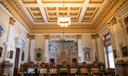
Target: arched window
x=109, y=51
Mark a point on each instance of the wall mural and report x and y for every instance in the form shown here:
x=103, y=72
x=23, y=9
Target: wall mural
x=63, y=52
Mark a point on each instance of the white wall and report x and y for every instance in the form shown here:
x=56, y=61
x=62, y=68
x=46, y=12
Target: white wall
x=119, y=37
x=8, y=39
x=37, y=42
x=87, y=42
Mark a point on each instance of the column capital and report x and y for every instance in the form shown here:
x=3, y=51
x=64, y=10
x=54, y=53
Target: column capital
x=78, y=36
x=30, y=36
x=113, y=21
x=94, y=36
x=12, y=21
x=46, y=36
x=120, y=21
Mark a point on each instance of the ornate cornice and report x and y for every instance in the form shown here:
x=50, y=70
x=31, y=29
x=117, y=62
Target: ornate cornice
x=46, y=36
x=15, y=12
x=66, y=30
x=114, y=20
x=95, y=36
x=107, y=9
x=30, y=36
x=121, y=5
x=110, y=12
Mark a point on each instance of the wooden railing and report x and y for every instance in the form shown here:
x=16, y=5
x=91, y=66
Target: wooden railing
x=70, y=71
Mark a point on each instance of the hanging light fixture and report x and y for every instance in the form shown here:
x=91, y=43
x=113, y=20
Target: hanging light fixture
x=64, y=21
x=62, y=36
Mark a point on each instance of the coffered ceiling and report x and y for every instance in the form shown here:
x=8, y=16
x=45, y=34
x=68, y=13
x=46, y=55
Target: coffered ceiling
x=44, y=13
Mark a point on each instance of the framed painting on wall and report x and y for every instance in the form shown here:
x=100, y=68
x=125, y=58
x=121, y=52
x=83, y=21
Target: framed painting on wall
x=124, y=51
x=1, y=50
x=11, y=54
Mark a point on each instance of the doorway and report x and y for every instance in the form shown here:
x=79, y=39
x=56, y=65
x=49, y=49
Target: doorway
x=17, y=57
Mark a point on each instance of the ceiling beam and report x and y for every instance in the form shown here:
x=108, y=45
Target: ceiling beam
x=85, y=5
x=26, y=11
x=41, y=7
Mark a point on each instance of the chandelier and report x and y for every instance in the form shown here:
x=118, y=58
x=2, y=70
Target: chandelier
x=64, y=21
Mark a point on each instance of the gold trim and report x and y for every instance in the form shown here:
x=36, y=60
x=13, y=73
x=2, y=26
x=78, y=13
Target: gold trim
x=52, y=1
x=96, y=1
x=30, y=36
x=29, y=2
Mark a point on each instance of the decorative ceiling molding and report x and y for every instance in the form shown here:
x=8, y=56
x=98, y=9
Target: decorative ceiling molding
x=110, y=12
x=66, y=31
x=11, y=10
x=47, y=11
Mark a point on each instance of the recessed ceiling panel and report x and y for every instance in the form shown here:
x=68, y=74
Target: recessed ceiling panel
x=35, y=14
x=89, y=14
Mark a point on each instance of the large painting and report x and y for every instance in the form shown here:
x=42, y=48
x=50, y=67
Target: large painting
x=63, y=52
